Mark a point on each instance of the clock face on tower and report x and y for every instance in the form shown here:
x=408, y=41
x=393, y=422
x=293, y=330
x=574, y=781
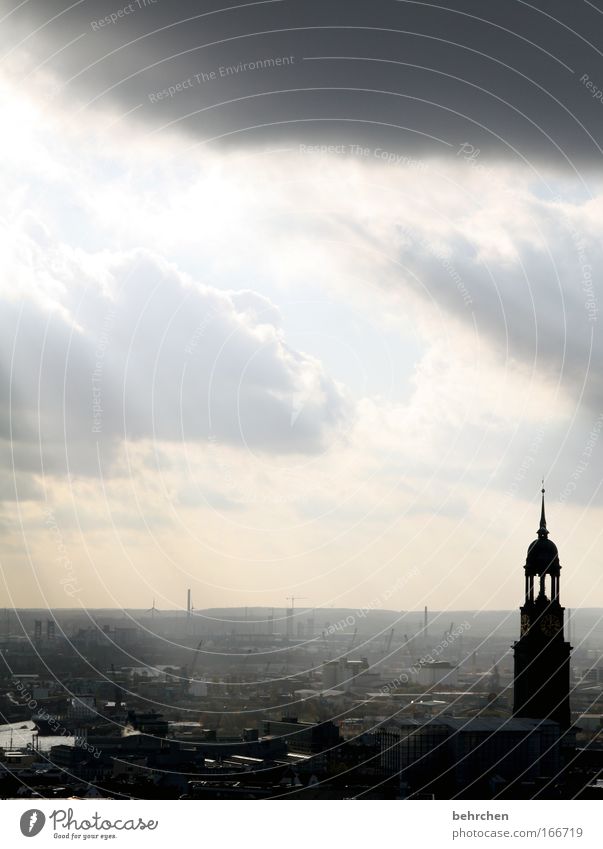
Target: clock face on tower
x=550, y=624
x=525, y=624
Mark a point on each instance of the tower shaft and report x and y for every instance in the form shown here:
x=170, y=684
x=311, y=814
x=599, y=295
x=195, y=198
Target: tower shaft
x=542, y=655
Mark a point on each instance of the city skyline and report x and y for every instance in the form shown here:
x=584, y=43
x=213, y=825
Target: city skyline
x=301, y=416
x=371, y=706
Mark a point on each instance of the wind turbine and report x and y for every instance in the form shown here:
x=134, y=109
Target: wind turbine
x=152, y=610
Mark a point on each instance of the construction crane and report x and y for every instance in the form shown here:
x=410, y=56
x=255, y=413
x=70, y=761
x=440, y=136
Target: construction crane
x=353, y=640
x=389, y=640
x=242, y=673
x=289, y=622
x=196, y=657
x=294, y=598
x=326, y=644
x=189, y=677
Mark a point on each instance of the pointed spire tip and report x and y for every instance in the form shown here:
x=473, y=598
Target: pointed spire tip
x=542, y=531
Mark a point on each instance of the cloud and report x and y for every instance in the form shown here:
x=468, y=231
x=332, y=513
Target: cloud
x=508, y=80
x=175, y=333
x=496, y=274
x=153, y=354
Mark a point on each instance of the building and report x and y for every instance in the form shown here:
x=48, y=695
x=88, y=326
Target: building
x=437, y=673
x=445, y=756
x=304, y=737
x=343, y=673
x=542, y=668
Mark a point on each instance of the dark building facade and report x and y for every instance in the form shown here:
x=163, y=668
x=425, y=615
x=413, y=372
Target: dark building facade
x=477, y=756
x=542, y=655
x=305, y=737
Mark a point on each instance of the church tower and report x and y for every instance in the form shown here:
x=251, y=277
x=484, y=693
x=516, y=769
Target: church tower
x=542, y=671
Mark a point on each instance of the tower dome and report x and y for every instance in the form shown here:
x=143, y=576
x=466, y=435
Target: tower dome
x=543, y=556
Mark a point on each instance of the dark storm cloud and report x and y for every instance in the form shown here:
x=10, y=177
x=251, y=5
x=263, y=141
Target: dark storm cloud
x=513, y=78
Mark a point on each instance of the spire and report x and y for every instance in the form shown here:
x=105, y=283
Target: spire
x=542, y=531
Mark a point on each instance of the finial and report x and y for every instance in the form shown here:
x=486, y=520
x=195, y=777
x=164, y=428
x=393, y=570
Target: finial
x=542, y=531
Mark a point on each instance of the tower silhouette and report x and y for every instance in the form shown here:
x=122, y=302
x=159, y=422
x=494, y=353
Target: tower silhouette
x=542, y=671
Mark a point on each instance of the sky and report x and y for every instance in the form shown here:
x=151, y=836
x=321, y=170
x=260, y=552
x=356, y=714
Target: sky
x=299, y=299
